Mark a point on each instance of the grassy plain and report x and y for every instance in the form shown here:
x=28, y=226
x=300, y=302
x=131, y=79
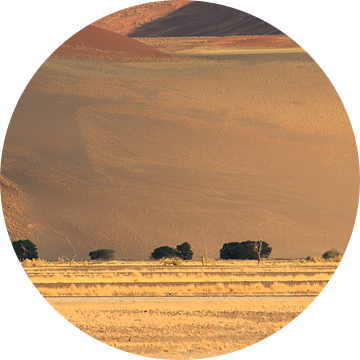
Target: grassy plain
x=190, y=279
x=180, y=312
x=178, y=328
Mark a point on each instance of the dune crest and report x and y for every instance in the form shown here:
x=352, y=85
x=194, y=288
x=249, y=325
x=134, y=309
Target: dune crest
x=99, y=44
x=184, y=18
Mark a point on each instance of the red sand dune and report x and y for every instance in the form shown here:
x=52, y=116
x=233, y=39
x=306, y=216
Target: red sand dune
x=97, y=38
x=128, y=20
x=184, y=18
x=93, y=42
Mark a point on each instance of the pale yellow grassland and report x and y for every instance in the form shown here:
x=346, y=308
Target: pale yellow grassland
x=138, y=277
x=114, y=279
x=276, y=288
x=188, y=265
x=173, y=329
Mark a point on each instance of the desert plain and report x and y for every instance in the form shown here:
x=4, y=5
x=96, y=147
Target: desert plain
x=188, y=311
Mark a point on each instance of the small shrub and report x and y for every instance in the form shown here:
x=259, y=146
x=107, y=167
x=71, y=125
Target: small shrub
x=177, y=262
x=26, y=262
x=315, y=259
x=337, y=258
x=34, y=262
x=104, y=254
x=331, y=254
x=208, y=261
x=166, y=262
x=169, y=262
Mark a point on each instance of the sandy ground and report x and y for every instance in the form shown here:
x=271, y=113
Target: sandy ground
x=180, y=328
x=99, y=44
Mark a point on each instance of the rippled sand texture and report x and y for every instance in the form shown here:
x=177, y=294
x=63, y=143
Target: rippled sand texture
x=131, y=156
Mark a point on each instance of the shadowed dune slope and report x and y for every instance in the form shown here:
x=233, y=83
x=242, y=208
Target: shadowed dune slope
x=95, y=43
x=184, y=18
x=132, y=156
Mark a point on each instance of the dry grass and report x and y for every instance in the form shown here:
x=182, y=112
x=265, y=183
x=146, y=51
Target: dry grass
x=255, y=288
x=174, y=329
x=183, y=311
x=133, y=279
x=177, y=277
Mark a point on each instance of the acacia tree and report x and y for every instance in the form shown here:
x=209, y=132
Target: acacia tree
x=185, y=251
x=104, y=254
x=25, y=249
x=246, y=250
x=164, y=251
x=331, y=254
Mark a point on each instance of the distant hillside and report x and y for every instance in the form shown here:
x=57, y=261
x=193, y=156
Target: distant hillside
x=184, y=18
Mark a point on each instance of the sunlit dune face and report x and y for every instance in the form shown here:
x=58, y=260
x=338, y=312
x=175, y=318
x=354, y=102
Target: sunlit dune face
x=198, y=144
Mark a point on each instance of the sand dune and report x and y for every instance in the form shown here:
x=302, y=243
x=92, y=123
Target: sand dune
x=131, y=156
x=184, y=18
x=97, y=38
x=203, y=44
x=95, y=43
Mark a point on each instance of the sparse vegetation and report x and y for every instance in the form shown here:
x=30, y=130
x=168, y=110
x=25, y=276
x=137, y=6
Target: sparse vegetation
x=207, y=260
x=34, y=262
x=169, y=262
x=220, y=325
x=241, y=278
x=223, y=308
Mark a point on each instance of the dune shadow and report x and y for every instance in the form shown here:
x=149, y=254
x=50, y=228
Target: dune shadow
x=205, y=19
